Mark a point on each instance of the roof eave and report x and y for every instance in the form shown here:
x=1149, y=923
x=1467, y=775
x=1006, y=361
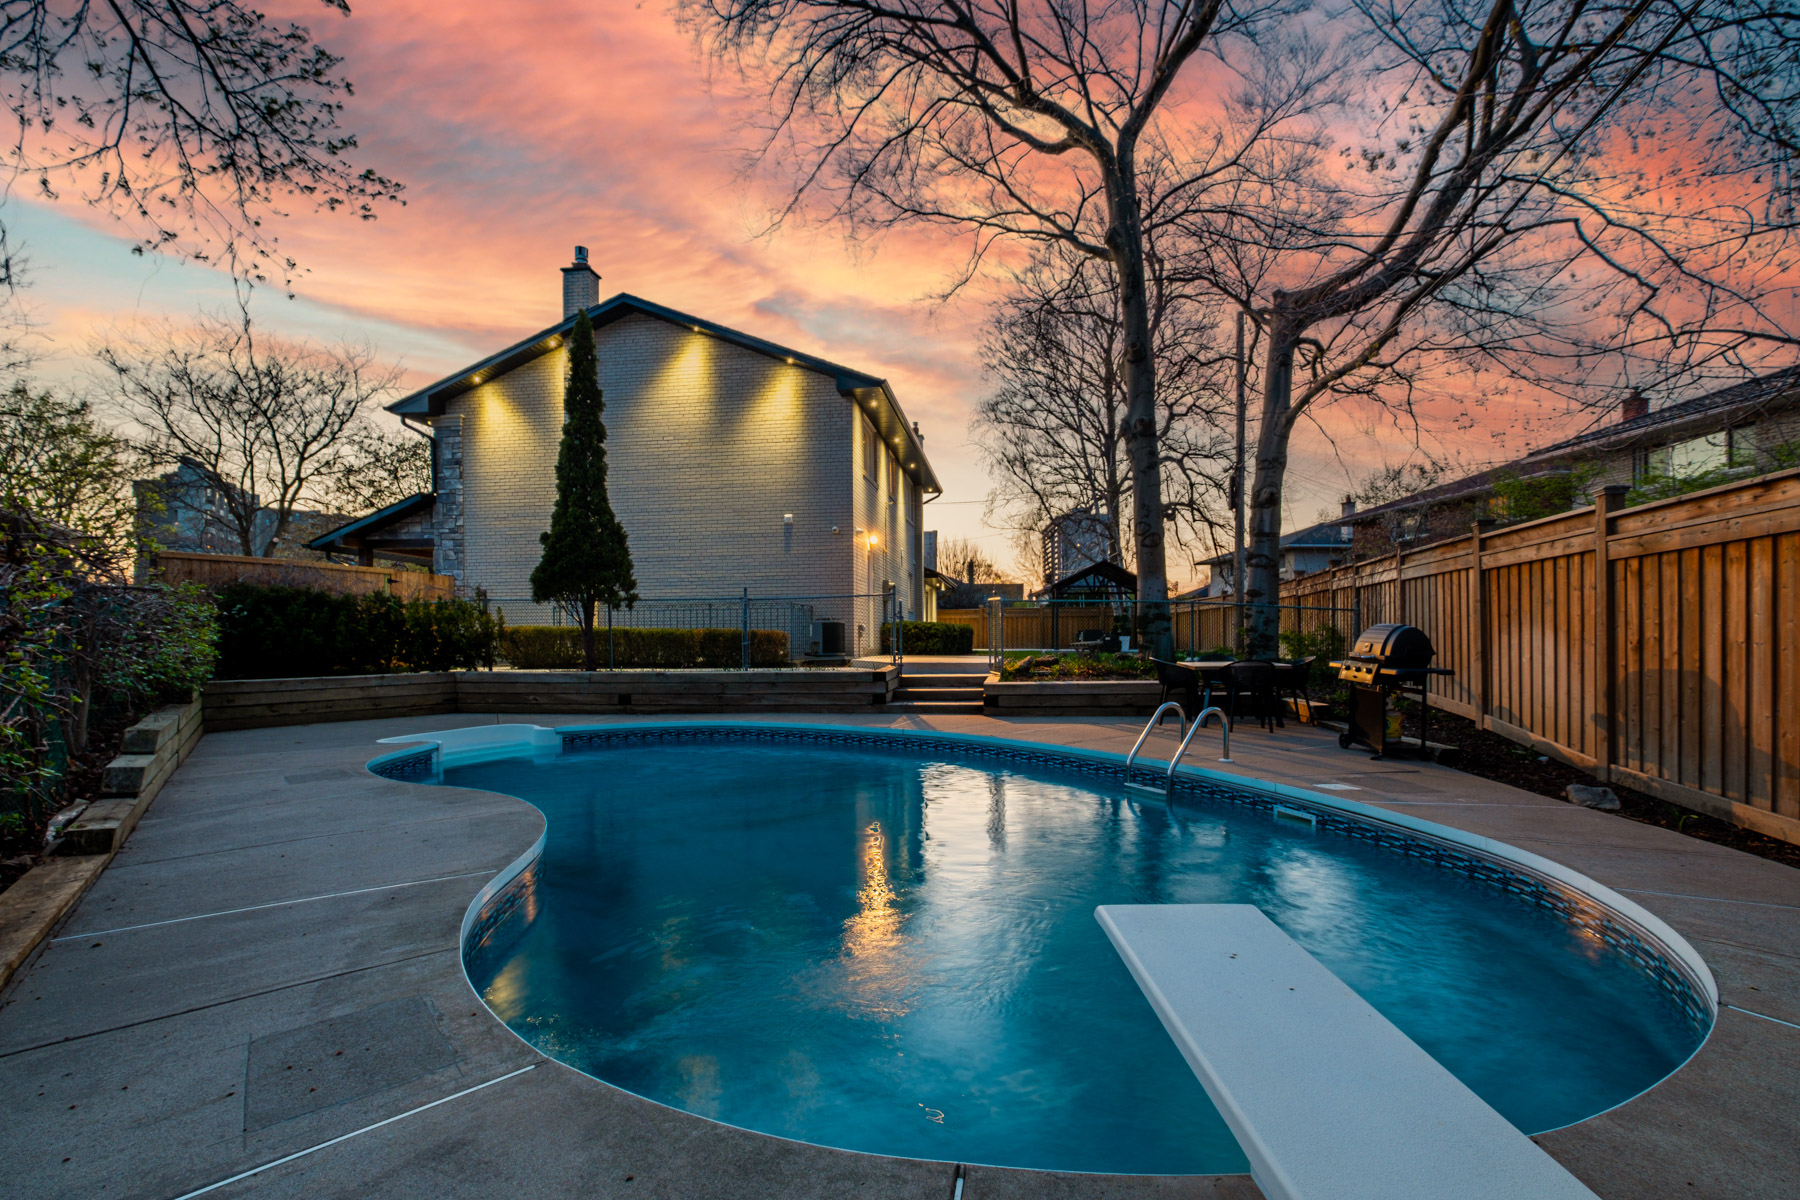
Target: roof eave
x=854, y=385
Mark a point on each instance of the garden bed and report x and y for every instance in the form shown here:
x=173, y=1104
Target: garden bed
x=1502, y=760
x=1038, y=668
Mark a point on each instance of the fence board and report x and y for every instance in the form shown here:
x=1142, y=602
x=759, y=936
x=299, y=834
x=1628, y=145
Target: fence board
x=214, y=570
x=1703, y=625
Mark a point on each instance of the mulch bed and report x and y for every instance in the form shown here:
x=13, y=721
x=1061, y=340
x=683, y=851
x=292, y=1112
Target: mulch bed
x=1491, y=756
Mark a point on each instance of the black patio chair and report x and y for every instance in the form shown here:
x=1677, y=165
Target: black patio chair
x=1251, y=686
x=1295, y=681
x=1181, y=684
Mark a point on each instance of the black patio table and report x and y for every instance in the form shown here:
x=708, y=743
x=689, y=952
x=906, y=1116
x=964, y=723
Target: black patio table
x=1212, y=674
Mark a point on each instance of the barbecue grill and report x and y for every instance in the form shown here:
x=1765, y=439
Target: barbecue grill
x=1386, y=660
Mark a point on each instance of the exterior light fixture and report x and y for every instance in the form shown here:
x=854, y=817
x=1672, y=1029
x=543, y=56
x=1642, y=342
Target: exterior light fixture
x=787, y=518
x=873, y=540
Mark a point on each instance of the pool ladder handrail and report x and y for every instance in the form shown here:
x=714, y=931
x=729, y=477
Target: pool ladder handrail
x=1155, y=719
x=1224, y=728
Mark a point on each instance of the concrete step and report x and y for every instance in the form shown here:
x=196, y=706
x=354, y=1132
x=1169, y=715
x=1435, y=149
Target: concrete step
x=908, y=692
x=971, y=708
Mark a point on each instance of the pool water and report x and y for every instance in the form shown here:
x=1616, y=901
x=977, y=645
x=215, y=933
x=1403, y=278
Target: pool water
x=896, y=952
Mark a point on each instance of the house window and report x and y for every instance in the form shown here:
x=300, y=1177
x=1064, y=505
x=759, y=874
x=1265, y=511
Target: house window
x=893, y=480
x=1724, y=450
x=871, y=441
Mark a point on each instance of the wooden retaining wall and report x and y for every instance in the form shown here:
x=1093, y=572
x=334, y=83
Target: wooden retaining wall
x=255, y=703
x=1658, y=646
x=1058, y=698
x=212, y=570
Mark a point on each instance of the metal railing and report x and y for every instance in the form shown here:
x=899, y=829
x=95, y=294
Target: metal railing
x=1197, y=626
x=1155, y=720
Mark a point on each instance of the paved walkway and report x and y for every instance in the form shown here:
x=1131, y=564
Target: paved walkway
x=270, y=969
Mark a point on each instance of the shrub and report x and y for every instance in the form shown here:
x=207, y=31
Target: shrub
x=541, y=647
x=725, y=648
x=929, y=637
x=555, y=647
x=286, y=632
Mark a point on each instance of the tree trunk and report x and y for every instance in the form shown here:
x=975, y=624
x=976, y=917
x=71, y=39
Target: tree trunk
x=1262, y=551
x=587, y=635
x=1126, y=240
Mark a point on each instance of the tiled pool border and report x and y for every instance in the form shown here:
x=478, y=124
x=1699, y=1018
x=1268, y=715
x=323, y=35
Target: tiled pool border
x=1655, y=949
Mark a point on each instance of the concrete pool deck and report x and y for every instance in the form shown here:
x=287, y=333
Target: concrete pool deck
x=271, y=964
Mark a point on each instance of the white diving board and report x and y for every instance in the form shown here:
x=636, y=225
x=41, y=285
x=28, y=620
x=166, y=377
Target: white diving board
x=1327, y=1098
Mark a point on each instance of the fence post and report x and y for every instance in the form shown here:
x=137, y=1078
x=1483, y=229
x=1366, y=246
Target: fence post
x=996, y=633
x=1600, y=626
x=609, y=638
x=1478, y=634
x=893, y=601
x=1399, y=586
x=746, y=620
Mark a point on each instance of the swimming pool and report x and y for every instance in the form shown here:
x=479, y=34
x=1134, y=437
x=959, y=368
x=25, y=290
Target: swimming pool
x=886, y=943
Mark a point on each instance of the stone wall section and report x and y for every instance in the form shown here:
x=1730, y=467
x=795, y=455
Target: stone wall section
x=447, y=520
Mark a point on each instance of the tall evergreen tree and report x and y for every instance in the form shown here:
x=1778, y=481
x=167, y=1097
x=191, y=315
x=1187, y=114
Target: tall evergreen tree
x=586, y=561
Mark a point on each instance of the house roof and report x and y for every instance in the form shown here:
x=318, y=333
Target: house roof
x=1710, y=413
x=1327, y=535
x=371, y=526
x=872, y=394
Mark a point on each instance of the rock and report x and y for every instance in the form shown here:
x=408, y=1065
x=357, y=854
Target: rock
x=1592, y=797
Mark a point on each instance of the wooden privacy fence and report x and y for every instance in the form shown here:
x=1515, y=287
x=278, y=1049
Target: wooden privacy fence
x=1039, y=625
x=1656, y=646
x=212, y=570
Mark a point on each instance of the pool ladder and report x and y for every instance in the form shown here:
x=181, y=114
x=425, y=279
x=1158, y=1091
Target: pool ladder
x=1155, y=718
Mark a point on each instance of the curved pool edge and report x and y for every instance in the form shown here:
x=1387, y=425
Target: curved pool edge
x=492, y=745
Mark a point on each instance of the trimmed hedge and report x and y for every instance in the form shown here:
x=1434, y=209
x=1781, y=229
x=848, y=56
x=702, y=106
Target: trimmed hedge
x=929, y=637
x=288, y=632
x=555, y=647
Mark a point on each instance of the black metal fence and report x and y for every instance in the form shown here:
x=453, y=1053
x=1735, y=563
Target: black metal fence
x=862, y=616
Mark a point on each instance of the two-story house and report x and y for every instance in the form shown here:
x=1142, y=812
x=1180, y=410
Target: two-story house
x=734, y=463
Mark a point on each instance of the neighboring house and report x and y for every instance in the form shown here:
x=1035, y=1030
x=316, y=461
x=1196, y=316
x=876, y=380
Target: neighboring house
x=964, y=593
x=733, y=463
x=1315, y=548
x=1074, y=541
x=190, y=511
x=1746, y=429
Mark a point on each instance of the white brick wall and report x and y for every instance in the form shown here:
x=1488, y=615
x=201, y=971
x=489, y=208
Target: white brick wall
x=708, y=445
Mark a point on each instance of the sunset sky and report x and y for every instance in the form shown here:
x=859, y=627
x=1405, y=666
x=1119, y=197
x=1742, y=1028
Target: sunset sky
x=523, y=129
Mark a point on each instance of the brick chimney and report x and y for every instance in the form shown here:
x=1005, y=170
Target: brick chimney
x=581, y=284
x=1636, y=405
x=1348, y=508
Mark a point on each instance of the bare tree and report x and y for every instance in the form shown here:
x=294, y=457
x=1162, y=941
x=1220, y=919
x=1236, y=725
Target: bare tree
x=267, y=425
x=1597, y=198
x=1053, y=428
x=963, y=560
x=1031, y=119
x=378, y=467
x=198, y=118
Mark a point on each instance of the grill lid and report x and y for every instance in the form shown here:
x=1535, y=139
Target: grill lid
x=1398, y=646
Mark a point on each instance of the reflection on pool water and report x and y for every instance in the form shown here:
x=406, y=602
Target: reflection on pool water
x=896, y=952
